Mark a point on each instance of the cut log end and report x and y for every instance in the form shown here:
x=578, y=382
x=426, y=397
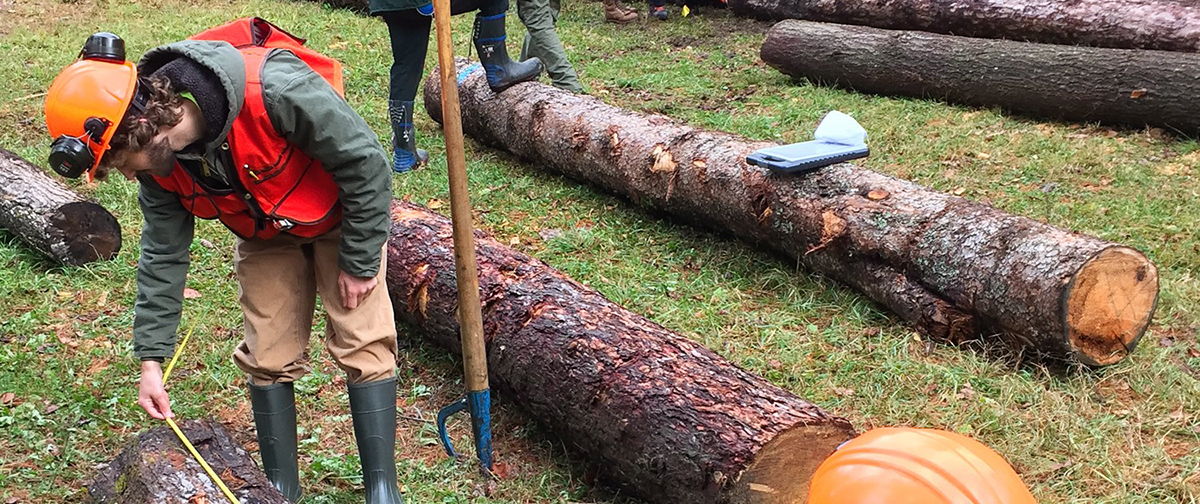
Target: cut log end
x=88, y=232
x=1109, y=304
x=781, y=471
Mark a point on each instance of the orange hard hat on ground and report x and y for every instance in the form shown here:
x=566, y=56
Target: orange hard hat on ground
x=916, y=466
x=86, y=103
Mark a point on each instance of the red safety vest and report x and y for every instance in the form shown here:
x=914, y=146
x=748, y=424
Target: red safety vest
x=278, y=187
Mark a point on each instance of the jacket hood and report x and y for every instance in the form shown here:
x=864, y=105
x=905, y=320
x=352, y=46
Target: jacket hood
x=221, y=58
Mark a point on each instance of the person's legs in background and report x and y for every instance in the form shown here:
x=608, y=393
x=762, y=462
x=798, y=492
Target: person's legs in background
x=542, y=42
x=409, y=33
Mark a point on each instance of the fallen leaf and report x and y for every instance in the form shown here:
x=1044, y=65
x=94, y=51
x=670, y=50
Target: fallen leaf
x=959, y=191
x=982, y=155
x=8, y=398
x=190, y=293
x=501, y=469
x=1166, y=342
x=844, y=392
x=550, y=234
x=1137, y=93
x=1193, y=353
x=51, y=409
x=775, y=364
x=877, y=194
x=207, y=244
x=966, y=393
x=514, y=241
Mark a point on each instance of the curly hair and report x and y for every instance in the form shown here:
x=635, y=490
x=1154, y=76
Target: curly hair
x=136, y=131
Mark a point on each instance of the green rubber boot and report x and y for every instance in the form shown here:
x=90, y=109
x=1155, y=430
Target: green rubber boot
x=275, y=420
x=373, y=408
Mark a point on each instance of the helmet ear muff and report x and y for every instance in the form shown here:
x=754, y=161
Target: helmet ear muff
x=71, y=156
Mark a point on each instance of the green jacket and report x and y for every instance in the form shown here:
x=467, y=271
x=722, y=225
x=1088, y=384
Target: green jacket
x=379, y=6
x=307, y=111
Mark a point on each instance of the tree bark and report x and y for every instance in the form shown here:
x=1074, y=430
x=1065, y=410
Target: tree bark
x=1130, y=24
x=1113, y=86
x=958, y=271
x=51, y=218
x=155, y=468
x=662, y=416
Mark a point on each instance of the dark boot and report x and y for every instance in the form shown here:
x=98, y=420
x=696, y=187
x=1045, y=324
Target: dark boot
x=502, y=72
x=274, y=409
x=373, y=408
x=406, y=155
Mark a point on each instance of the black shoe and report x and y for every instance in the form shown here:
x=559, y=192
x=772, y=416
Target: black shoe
x=373, y=408
x=502, y=72
x=659, y=12
x=274, y=409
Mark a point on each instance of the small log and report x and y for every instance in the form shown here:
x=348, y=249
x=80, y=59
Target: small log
x=1089, y=84
x=1167, y=25
x=155, y=468
x=51, y=218
x=957, y=270
x=661, y=416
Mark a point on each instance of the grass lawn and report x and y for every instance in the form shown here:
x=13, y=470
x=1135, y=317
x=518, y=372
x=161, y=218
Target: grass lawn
x=1127, y=433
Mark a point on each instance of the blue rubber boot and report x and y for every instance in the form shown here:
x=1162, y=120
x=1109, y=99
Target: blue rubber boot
x=373, y=410
x=502, y=72
x=405, y=154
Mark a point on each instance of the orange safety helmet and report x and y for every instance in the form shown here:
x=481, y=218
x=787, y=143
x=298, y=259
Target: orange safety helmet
x=86, y=103
x=916, y=466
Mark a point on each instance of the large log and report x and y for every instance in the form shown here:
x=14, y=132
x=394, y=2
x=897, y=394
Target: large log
x=155, y=468
x=957, y=270
x=51, y=218
x=1115, y=86
x=661, y=416
x=1168, y=25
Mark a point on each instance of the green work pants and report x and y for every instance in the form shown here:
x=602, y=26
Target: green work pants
x=542, y=42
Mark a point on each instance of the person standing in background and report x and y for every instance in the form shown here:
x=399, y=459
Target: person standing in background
x=408, y=23
x=542, y=42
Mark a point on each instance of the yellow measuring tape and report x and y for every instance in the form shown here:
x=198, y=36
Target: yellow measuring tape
x=195, y=454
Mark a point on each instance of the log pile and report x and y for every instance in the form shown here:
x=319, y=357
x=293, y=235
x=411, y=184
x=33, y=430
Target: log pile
x=956, y=270
x=1113, y=86
x=1166, y=25
x=156, y=468
x=661, y=416
x=51, y=218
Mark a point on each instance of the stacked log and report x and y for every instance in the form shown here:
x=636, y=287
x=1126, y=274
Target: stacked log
x=51, y=218
x=1165, y=25
x=1112, y=86
x=957, y=270
x=660, y=416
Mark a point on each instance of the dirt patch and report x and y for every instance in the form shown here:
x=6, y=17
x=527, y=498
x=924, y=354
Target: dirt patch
x=39, y=15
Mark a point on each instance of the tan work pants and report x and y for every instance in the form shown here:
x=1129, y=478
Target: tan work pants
x=278, y=281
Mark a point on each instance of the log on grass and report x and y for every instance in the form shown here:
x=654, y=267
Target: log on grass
x=956, y=270
x=1113, y=86
x=1168, y=25
x=663, y=417
x=156, y=468
x=51, y=218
